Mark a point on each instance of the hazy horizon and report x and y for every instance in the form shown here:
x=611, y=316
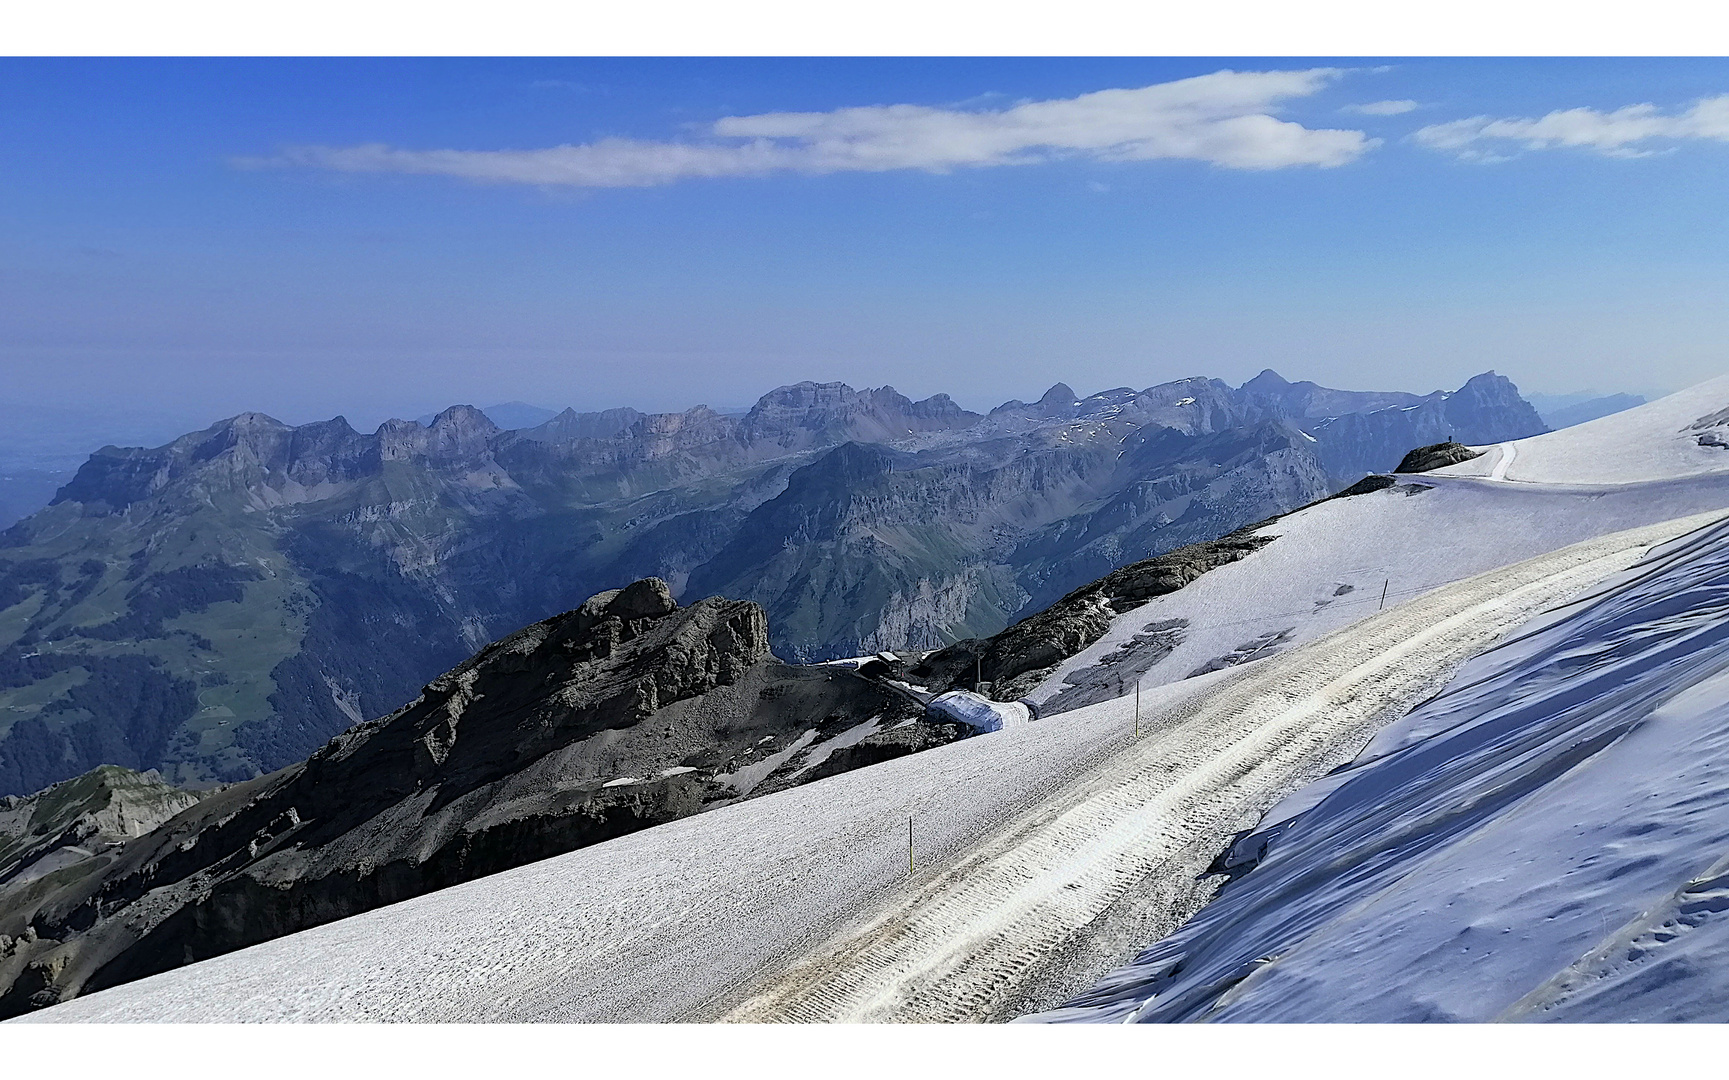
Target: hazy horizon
x=155, y=425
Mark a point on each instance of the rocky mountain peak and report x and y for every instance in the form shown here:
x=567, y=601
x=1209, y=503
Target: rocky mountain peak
x=1059, y=400
x=250, y=422
x=464, y=418
x=462, y=431
x=1488, y=408
x=1489, y=386
x=570, y=424
x=803, y=396
x=460, y=435
x=1267, y=382
x=944, y=410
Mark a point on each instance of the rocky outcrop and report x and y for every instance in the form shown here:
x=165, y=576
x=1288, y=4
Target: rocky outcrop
x=1011, y=663
x=1366, y=486
x=621, y=714
x=894, y=743
x=1436, y=456
x=77, y=820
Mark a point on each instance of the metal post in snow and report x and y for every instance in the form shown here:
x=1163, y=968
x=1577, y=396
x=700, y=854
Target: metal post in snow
x=909, y=845
x=1384, y=585
x=1137, y=709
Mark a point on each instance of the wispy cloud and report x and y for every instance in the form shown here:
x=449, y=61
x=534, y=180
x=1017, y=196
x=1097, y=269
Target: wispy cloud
x=1632, y=131
x=1226, y=119
x=1382, y=108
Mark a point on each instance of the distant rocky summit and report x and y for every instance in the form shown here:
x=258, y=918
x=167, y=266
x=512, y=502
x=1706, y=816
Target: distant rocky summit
x=222, y=606
x=623, y=713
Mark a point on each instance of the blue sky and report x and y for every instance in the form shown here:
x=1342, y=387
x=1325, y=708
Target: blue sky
x=311, y=237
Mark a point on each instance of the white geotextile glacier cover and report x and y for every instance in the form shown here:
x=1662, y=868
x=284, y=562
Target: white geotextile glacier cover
x=978, y=713
x=1546, y=839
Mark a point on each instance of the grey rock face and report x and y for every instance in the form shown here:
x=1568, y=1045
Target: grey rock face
x=1486, y=409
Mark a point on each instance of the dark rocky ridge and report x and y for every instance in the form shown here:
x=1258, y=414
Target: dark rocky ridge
x=624, y=713
x=223, y=605
x=1018, y=659
x=1010, y=664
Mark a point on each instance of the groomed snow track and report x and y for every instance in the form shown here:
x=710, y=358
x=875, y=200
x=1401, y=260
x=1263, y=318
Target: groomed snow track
x=974, y=940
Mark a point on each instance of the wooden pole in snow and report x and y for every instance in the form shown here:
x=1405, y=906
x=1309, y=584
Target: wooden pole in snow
x=909, y=845
x=1384, y=585
x=1137, y=709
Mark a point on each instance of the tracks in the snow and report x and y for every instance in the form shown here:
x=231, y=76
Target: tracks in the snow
x=970, y=943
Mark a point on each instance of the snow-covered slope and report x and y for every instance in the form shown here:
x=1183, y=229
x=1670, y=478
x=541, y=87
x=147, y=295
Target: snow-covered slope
x=1045, y=853
x=1332, y=561
x=1547, y=839
x=1684, y=434
x=1038, y=848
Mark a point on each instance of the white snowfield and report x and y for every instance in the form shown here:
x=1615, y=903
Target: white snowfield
x=1659, y=440
x=1045, y=854
x=1546, y=840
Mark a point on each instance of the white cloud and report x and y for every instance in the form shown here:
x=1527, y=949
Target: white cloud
x=1622, y=133
x=1382, y=108
x=1225, y=118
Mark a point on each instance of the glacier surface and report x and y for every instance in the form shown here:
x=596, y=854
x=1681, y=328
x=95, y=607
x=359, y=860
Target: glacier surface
x=1546, y=839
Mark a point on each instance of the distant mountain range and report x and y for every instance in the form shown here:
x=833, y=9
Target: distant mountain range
x=1565, y=410
x=226, y=603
